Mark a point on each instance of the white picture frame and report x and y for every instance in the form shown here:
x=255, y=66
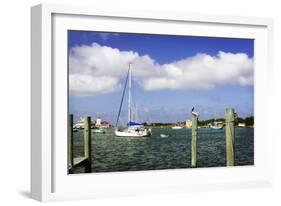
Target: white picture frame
x=49, y=178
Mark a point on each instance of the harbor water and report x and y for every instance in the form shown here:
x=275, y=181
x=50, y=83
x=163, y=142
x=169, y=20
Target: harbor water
x=112, y=154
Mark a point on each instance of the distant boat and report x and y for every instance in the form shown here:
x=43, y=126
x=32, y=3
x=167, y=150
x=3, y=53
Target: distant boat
x=164, y=135
x=133, y=129
x=79, y=124
x=216, y=126
x=177, y=127
x=98, y=130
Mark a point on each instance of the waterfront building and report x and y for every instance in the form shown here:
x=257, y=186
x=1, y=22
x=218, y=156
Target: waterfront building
x=188, y=123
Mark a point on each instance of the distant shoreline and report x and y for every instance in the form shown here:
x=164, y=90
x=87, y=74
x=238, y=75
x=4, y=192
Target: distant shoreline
x=243, y=122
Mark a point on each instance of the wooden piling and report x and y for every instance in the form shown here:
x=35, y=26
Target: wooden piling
x=194, y=141
x=229, y=134
x=87, y=144
x=70, y=141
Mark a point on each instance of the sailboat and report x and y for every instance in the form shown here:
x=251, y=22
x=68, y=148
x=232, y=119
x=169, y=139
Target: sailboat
x=133, y=129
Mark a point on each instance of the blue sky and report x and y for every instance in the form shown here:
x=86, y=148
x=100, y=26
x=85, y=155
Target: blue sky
x=158, y=59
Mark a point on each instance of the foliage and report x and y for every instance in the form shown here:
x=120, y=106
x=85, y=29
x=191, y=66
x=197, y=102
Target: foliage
x=248, y=121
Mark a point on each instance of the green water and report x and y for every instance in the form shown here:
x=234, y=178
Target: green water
x=110, y=153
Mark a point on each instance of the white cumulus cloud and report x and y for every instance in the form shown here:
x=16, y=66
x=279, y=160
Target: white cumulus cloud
x=97, y=69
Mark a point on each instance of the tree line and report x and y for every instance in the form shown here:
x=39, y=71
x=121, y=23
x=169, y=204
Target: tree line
x=248, y=121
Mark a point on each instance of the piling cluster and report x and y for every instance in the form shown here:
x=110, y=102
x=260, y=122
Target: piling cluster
x=229, y=136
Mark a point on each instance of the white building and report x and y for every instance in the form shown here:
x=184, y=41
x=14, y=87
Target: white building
x=98, y=122
x=188, y=123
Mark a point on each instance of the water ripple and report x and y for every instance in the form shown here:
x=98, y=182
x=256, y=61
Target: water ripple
x=110, y=153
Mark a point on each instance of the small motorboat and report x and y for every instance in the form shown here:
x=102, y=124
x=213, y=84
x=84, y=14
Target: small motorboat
x=164, y=135
x=216, y=125
x=177, y=127
x=98, y=130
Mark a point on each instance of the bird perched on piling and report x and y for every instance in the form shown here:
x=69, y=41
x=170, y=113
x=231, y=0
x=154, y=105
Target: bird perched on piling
x=193, y=112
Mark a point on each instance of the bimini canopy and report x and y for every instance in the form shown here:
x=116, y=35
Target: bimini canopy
x=134, y=124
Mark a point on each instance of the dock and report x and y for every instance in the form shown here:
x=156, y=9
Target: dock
x=85, y=161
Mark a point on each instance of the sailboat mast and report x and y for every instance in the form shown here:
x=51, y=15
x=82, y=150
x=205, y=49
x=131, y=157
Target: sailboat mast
x=129, y=98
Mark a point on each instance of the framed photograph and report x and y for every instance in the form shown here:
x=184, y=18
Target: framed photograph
x=137, y=102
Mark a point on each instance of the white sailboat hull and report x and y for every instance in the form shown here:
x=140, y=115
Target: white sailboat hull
x=132, y=133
